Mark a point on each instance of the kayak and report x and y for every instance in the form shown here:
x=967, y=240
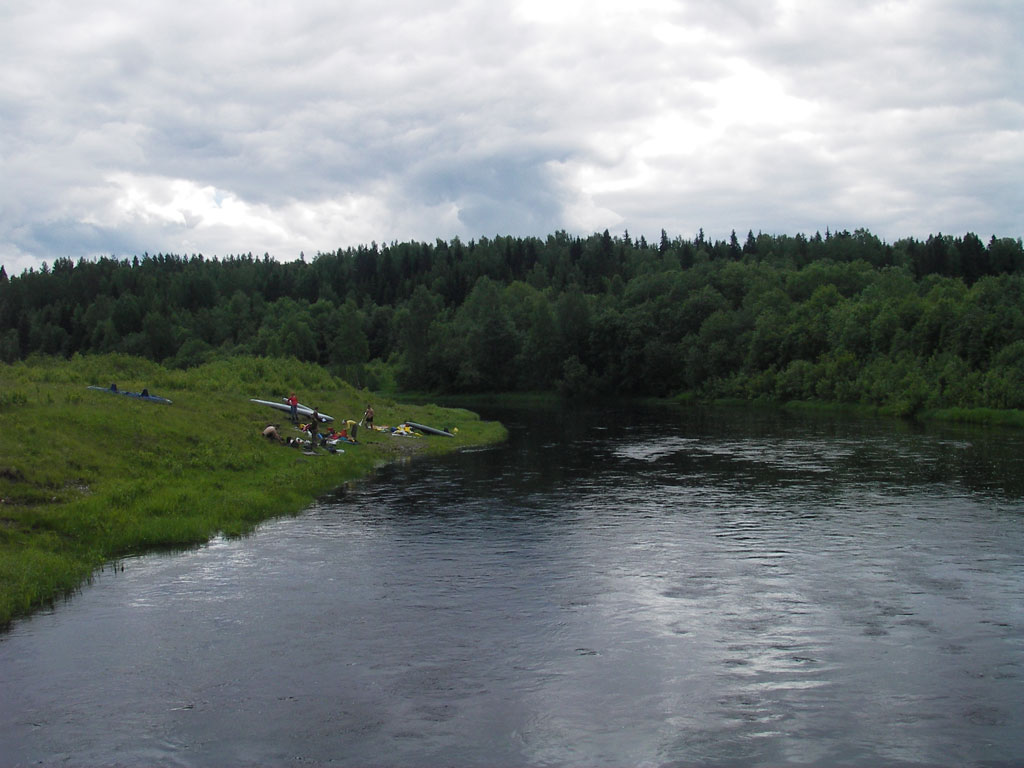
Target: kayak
x=137, y=395
x=301, y=409
x=305, y=410
x=429, y=430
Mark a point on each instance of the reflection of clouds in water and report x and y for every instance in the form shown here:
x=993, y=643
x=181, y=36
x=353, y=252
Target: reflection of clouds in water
x=811, y=456
x=652, y=450
x=788, y=454
x=815, y=456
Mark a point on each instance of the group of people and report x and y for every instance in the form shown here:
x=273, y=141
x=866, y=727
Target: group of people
x=317, y=437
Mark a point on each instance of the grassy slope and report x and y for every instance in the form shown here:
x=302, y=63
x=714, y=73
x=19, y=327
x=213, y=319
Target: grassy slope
x=986, y=417
x=86, y=476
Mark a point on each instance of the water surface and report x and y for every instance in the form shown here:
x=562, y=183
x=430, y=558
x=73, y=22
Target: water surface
x=641, y=587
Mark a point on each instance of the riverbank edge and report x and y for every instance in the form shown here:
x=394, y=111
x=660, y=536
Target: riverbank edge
x=131, y=477
x=984, y=417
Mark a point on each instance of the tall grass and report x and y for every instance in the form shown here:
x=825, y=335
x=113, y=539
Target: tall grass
x=88, y=476
x=989, y=417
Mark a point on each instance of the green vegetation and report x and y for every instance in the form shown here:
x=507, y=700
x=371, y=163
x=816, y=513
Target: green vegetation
x=87, y=477
x=904, y=328
x=932, y=328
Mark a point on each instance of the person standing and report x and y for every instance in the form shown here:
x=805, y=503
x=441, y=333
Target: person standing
x=368, y=416
x=293, y=401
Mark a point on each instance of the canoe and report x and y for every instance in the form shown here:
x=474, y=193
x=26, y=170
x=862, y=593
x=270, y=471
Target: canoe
x=302, y=409
x=305, y=410
x=429, y=430
x=137, y=395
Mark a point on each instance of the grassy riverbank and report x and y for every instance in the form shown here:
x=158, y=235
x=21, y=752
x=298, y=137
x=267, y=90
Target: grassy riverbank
x=984, y=417
x=87, y=477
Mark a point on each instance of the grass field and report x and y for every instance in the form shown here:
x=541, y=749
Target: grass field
x=87, y=477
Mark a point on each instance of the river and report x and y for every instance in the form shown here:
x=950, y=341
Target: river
x=644, y=586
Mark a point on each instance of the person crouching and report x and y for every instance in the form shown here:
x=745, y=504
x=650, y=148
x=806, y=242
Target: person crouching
x=314, y=428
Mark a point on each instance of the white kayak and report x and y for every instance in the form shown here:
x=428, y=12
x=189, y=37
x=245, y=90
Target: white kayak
x=303, y=410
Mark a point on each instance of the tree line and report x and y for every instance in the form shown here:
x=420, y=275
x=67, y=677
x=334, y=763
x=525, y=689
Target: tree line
x=842, y=317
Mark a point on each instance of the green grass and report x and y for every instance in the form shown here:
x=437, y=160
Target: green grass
x=989, y=417
x=87, y=477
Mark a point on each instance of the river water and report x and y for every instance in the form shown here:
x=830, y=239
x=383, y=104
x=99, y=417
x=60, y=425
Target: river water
x=651, y=586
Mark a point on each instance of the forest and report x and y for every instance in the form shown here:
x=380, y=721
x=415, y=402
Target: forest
x=843, y=317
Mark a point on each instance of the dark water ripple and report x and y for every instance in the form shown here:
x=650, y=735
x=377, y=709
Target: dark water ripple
x=688, y=589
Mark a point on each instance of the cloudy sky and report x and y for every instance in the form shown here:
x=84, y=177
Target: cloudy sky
x=225, y=126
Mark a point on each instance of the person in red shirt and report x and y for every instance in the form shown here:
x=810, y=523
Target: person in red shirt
x=293, y=401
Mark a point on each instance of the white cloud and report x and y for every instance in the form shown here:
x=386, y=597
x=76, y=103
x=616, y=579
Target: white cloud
x=225, y=127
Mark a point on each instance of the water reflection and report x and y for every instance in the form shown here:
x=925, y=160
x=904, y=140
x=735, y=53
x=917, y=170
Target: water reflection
x=690, y=587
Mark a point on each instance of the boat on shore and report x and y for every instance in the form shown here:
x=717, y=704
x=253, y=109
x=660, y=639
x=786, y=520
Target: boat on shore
x=303, y=410
x=143, y=395
x=429, y=430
